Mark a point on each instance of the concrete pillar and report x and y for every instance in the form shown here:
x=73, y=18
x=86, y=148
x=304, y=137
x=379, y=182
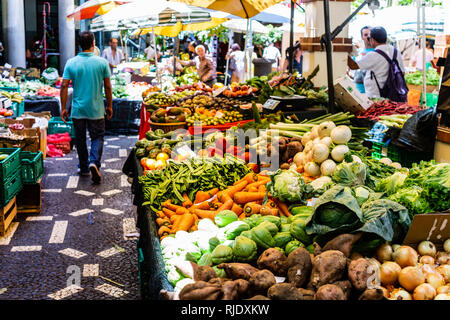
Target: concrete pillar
x=313, y=54
x=14, y=32
x=66, y=32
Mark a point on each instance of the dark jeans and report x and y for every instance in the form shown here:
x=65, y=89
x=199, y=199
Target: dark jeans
x=96, y=130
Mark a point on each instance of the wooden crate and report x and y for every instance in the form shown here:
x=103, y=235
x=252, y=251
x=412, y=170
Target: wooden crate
x=29, y=199
x=7, y=215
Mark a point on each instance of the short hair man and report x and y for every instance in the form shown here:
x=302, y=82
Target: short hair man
x=88, y=73
x=376, y=65
x=113, y=54
x=360, y=74
x=205, y=67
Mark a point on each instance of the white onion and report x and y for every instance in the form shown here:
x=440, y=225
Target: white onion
x=356, y=159
x=326, y=141
x=436, y=280
x=384, y=252
x=320, y=153
x=341, y=134
x=427, y=248
x=315, y=131
x=327, y=167
x=410, y=277
x=395, y=247
x=389, y=272
x=427, y=260
x=338, y=152
x=312, y=169
x=396, y=165
x=447, y=245
x=306, y=138
x=400, y=294
x=442, y=296
x=405, y=256
x=325, y=128
x=386, y=161
x=425, y=291
x=299, y=159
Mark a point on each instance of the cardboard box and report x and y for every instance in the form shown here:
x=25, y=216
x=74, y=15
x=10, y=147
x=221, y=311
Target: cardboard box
x=349, y=97
x=434, y=227
x=27, y=123
x=43, y=114
x=30, y=142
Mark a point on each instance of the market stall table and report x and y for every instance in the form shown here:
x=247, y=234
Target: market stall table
x=48, y=104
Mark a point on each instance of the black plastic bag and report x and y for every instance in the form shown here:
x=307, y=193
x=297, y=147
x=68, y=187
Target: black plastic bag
x=419, y=132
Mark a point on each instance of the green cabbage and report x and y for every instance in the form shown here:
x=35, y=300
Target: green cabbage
x=391, y=184
x=350, y=174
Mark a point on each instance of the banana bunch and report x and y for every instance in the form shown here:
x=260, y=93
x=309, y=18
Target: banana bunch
x=13, y=96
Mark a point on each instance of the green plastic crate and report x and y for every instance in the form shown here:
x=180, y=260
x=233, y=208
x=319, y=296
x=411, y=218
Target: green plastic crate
x=32, y=166
x=18, y=108
x=404, y=157
x=10, y=188
x=56, y=125
x=11, y=164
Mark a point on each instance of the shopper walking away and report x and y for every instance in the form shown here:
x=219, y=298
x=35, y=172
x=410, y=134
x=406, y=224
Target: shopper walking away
x=272, y=53
x=298, y=59
x=236, y=63
x=385, y=76
x=88, y=74
x=359, y=75
x=113, y=54
x=205, y=67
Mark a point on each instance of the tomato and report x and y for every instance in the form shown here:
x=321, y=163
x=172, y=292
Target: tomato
x=143, y=162
x=162, y=156
x=150, y=164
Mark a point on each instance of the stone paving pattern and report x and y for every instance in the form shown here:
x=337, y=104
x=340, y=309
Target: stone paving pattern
x=33, y=268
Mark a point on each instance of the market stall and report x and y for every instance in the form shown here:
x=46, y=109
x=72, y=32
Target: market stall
x=296, y=194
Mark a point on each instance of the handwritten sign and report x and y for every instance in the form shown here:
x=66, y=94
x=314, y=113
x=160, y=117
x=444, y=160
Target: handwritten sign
x=219, y=91
x=271, y=104
x=434, y=227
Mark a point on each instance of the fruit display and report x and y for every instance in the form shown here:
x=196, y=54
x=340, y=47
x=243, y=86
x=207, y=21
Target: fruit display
x=236, y=91
x=13, y=96
x=197, y=86
x=6, y=112
x=48, y=91
x=169, y=115
x=135, y=89
x=159, y=99
x=208, y=117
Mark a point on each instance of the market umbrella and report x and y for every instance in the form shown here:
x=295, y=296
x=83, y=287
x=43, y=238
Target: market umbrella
x=240, y=26
x=90, y=8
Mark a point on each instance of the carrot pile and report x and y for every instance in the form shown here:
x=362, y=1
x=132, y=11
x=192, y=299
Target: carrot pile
x=245, y=198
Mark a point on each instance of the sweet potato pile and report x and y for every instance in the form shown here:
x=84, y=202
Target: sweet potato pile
x=328, y=274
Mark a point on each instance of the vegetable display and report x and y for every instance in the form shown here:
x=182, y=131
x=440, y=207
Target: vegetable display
x=387, y=108
x=416, y=78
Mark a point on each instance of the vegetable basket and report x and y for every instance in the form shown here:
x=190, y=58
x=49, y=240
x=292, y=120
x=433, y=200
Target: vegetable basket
x=167, y=127
x=221, y=127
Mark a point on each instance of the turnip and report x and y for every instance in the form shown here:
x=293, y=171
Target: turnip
x=315, y=131
x=341, y=134
x=306, y=138
x=320, y=153
x=339, y=152
x=299, y=159
x=396, y=165
x=308, y=146
x=386, y=161
x=326, y=141
x=312, y=169
x=327, y=167
x=325, y=129
x=316, y=140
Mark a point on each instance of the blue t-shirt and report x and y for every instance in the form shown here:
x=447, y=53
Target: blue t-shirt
x=87, y=72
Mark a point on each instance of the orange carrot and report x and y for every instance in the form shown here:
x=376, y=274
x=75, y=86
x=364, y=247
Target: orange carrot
x=237, y=209
x=242, y=216
x=185, y=222
x=249, y=177
x=204, y=206
x=233, y=189
x=283, y=208
x=205, y=214
x=226, y=206
x=168, y=212
x=212, y=192
x=268, y=211
x=271, y=203
x=182, y=210
x=160, y=214
x=163, y=231
x=244, y=197
x=223, y=196
x=162, y=221
x=205, y=195
x=252, y=208
x=252, y=189
x=174, y=219
x=193, y=228
x=174, y=207
x=262, y=188
x=261, y=181
x=187, y=202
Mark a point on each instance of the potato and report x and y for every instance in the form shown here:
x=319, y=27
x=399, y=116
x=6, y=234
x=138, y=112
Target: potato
x=299, y=267
x=261, y=281
x=238, y=270
x=328, y=267
x=273, y=260
x=287, y=291
x=372, y=294
x=242, y=287
x=218, y=281
x=230, y=290
x=329, y=292
x=346, y=287
x=200, y=290
x=204, y=273
x=358, y=273
x=258, y=297
x=343, y=243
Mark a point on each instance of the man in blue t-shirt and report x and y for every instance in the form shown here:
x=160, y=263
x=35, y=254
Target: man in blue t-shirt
x=360, y=74
x=89, y=73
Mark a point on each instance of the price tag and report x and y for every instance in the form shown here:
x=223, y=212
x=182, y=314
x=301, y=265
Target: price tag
x=219, y=114
x=434, y=227
x=7, y=66
x=219, y=91
x=271, y=104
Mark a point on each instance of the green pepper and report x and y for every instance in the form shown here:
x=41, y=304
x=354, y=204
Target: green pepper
x=291, y=246
x=244, y=249
x=221, y=254
x=298, y=231
x=282, y=238
x=270, y=226
x=262, y=237
x=273, y=219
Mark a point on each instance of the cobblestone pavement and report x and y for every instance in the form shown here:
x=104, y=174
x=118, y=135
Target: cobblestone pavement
x=83, y=231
